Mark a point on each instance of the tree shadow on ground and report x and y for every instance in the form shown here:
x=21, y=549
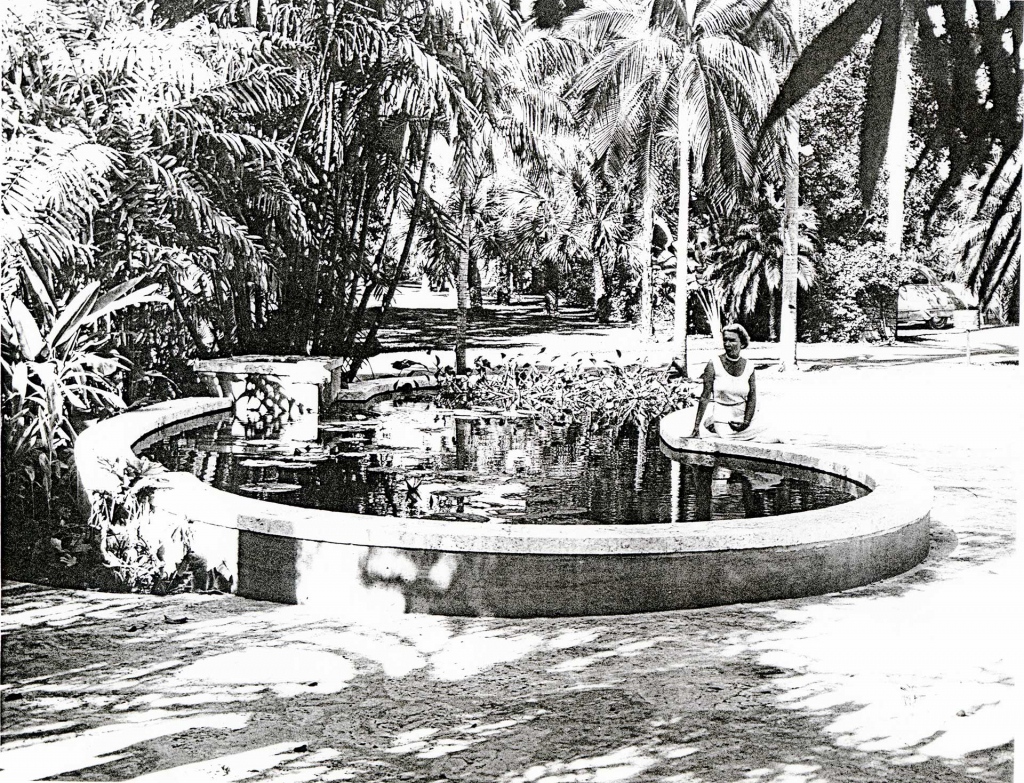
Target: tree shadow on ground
x=434, y=329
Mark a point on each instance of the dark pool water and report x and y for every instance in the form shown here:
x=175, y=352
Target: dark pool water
x=409, y=458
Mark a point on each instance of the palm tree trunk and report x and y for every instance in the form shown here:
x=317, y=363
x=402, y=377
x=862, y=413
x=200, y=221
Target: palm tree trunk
x=773, y=316
x=503, y=294
x=646, y=273
x=462, y=282
x=476, y=286
x=598, y=283
x=899, y=138
x=896, y=149
x=790, y=228
x=679, y=331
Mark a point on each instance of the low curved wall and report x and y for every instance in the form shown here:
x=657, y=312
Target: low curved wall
x=378, y=564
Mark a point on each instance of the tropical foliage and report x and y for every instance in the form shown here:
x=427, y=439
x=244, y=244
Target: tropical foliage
x=589, y=391
x=968, y=59
x=212, y=177
x=702, y=73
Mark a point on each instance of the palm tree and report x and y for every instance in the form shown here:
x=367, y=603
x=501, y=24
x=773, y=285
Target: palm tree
x=987, y=240
x=978, y=124
x=699, y=71
x=756, y=254
x=130, y=151
x=502, y=102
x=790, y=227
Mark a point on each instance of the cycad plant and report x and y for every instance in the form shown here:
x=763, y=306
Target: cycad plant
x=753, y=257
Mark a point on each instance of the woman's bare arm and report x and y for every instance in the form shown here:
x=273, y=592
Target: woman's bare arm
x=751, y=408
x=705, y=397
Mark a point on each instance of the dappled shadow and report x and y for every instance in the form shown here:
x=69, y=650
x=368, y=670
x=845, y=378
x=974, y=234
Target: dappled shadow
x=209, y=667
x=248, y=691
x=434, y=329
x=890, y=676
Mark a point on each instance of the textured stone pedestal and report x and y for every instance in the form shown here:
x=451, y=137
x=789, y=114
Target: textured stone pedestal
x=284, y=393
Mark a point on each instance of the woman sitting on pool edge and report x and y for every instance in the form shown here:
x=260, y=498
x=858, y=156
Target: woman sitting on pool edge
x=730, y=391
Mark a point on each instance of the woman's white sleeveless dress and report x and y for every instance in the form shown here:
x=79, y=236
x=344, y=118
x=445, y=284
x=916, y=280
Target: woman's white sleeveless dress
x=729, y=404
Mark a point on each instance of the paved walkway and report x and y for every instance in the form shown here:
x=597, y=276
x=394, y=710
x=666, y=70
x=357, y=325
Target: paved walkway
x=905, y=680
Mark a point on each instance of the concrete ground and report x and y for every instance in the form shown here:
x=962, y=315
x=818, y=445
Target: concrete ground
x=910, y=679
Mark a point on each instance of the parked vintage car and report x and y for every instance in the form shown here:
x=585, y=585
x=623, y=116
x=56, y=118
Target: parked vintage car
x=926, y=300
x=927, y=303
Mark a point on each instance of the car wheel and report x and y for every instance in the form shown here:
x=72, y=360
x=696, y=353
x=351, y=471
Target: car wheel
x=938, y=322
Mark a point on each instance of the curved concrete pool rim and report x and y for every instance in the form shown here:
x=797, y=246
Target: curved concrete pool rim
x=372, y=564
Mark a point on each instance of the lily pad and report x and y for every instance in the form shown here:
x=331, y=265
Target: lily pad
x=385, y=469
x=541, y=499
x=517, y=496
x=459, y=517
x=542, y=483
x=259, y=463
x=457, y=492
x=270, y=487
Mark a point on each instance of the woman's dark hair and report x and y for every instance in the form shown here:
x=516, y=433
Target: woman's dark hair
x=740, y=332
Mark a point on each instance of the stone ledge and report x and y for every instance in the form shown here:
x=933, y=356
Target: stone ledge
x=368, y=388
x=898, y=497
x=871, y=538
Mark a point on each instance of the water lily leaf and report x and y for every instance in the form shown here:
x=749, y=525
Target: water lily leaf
x=457, y=474
x=258, y=463
x=457, y=492
x=456, y=516
x=270, y=487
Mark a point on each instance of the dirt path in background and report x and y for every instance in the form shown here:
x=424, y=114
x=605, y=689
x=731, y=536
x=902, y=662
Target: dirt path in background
x=905, y=680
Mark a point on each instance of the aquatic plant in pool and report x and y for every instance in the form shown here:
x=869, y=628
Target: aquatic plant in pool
x=409, y=457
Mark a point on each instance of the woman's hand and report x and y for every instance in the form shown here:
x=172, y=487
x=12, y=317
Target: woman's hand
x=738, y=426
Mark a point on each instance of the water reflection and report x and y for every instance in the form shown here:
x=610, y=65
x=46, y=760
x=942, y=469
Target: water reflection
x=410, y=458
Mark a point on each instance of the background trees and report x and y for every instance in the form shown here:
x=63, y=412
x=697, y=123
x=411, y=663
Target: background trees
x=968, y=61
x=702, y=73
x=208, y=177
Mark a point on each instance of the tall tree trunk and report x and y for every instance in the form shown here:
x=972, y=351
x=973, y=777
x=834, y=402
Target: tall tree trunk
x=403, y=260
x=899, y=138
x=646, y=273
x=773, y=316
x=896, y=150
x=476, y=286
x=503, y=296
x=552, y=287
x=462, y=281
x=679, y=331
x=598, y=283
x=790, y=227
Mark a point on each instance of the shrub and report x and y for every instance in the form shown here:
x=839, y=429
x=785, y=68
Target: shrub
x=589, y=391
x=854, y=297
